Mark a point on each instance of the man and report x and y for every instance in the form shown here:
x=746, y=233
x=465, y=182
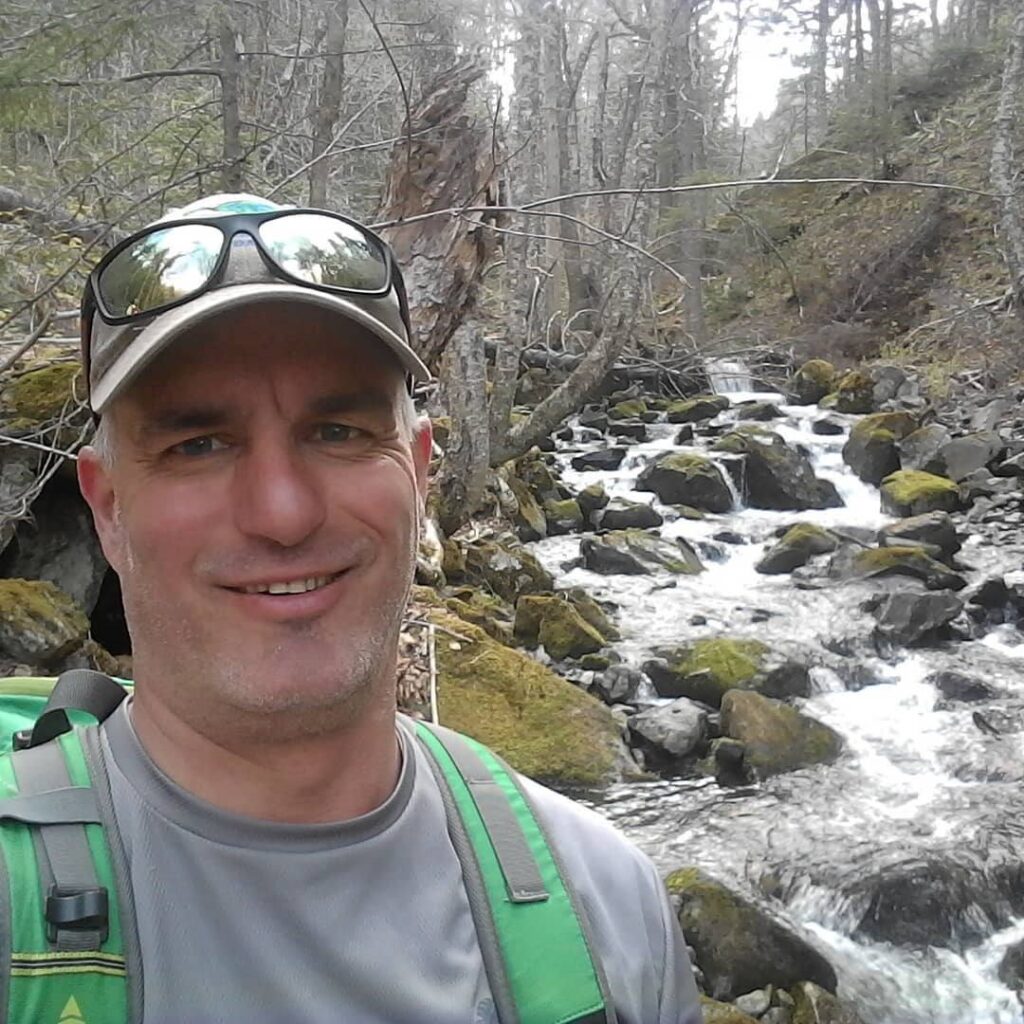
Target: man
x=257, y=483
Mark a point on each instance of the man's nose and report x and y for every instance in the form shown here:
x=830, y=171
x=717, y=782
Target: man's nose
x=277, y=496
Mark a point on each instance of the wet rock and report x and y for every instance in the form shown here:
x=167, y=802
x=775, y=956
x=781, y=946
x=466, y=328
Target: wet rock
x=798, y=545
x=828, y=427
x=592, y=498
x=993, y=594
x=729, y=757
x=758, y=412
x=922, y=450
x=618, y=684
x=738, y=946
x=1011, y=967
x=968, y=454
x=914, y=619
x=630, y=409
x=669, y=734
x=855, y=393
x=934, y=531
x=564, y=516
x=813, y=1005
x=812, y=382
x=39, y=623
x=625, y=515
x=529, y=520
x=681, y=478
x=912, y=561
x=729, y=537
x=637, y=553
x=959, y=687
x=634, y=431
x=602, y=459
x=911, y=492
x=1011, y=467
x=774, y=476
x=696, y=410
x=685, y=434
x=557, y=626
x=871, y=450
x=594, y=419
x=777, y=738
x=505, y=569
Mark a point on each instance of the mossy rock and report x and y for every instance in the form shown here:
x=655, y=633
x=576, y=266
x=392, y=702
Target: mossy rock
x=685, y=478
x=912, y=492
x=738, y=946
x=814, y=1005
x=872, y=450
x=506, y=569
x=855, y=393
x=533, y=470
x=39, y=396
x=563, y=516
x=542, y=725
x=529, y=519
x=631, y=409
x=715, y=1012
x=777, y=738
x=706, y=669
x=592, y=499
x=900, y=560
x=39, y=623
x=553, y=621
x=636, y=553
x=592, y=612
x=595, y=662
x=798, y=545
x=697, y=409
x=830, y=401
x=813, y=381
x=490, y=613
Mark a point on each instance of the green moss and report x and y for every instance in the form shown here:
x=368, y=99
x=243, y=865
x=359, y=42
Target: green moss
x=453, y=560
x=542, y=725
x=38, y=621
x=483, y=610
x=820, y=372
x=875, y=560
x=631, y=409
x=729, y=662
x=689, y=512
x=830, y=401
x=883, y=426
x=855, y=393
x=912, y=492
x=566, y=511
x=592, y=612
x=595, y=662
x=691, y=410
x=745, y=437
x=565, y=634
x=715, y=1012
x=808, y=533
x=40, y=396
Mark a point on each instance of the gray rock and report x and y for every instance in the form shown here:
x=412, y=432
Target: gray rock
x=670, y=733
x=871, y=450
x=603, y=459
x=959, y=687
x=970, y=453
x=796, y=548
x=593, y=418
x=624, y=515
x=1013, y=466
x=618, y=684
x=592, y=498
x=685, y=434
x=922, y=449
x=913, y=619
x=755, y=1003
x=935, y=529
x=634, y=431
x=1011, y=967
x=828, y=427
x=680, y=478
x=991, y=413
x=758, y=412
x=636, y=553
x=730, y=758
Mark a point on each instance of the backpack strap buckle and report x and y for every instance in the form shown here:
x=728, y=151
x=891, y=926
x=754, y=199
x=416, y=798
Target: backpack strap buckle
x=78, y=909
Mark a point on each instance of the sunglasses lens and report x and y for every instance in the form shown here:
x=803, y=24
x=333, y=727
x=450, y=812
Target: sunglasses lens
x=163, y=267
x=326, y=251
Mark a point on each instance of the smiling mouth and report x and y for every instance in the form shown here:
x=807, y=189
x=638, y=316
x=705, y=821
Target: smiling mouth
x=302, y=586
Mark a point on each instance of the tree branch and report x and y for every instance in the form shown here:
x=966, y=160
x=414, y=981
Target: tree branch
x=46, y=223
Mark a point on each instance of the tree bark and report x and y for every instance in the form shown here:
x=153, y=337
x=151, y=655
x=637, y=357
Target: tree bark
x=821, y=36
x=232, y=173
x=328, y=109
x=1002, y=169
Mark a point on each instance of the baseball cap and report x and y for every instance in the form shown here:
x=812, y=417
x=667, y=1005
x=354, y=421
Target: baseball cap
x=119, y=340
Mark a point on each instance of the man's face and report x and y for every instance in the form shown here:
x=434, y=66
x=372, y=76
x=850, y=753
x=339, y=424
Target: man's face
x=261, y=508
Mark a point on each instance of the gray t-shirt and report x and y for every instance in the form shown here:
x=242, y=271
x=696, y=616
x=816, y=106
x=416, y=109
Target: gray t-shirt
x=361, y=922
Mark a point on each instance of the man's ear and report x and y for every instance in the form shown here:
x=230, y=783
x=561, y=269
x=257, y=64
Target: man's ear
x=97, y=487
x=422, y=446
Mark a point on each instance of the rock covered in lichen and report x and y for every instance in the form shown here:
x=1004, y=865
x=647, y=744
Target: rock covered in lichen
x=812, y=382
x=871, y=451
x=911, y=492
x=39, y=623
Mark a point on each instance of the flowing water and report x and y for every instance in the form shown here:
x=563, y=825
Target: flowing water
x=917, y=784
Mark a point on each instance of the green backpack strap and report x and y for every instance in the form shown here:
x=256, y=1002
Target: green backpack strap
x=60, y=917
x=530, y=924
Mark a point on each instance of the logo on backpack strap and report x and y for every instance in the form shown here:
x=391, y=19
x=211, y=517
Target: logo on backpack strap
x=71, y=1014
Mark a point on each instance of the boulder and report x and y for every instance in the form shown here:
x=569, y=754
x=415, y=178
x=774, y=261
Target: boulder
x=592, y=498
x=602, y=459
x=1011, y=967
x=958, y=687
x=891, y=383
x=968, y=454
x=618, y=684
x=490, y=613
x=797, y=547
x=505, y=569
x=595, y=419
x=828, y=426
x=39, y=623
x=855, y=393
x=706, y=669
x=542, y=725
x=911, y=492
x=630, y=409
x=529, y=520
x=774, y=476
x=632, y=430
x=715, y=1012
x=933, y=531
x=737, y=946
x=554, y=624
x=812, y=382
x=1011, y=467
x=922, y=449
x=626, y=515
x=777, y=738
x=563, y=516
x=591, y=611
x=912, y=561
x=685, y=434
x=637, y=553
x=758, y=412
x=670, y=733
x=912, y=619
x=696, y=410
x=680, y=478
x=871, y=450
x=534, y=470
x=814, y=1005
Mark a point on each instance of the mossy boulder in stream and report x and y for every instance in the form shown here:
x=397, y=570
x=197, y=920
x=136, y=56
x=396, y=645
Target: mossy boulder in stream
x=871, y=451
x=505, y=569
x=897, y=560
x=39, y=623
x=695, y=410
x=911, y=492
x=530, y=521
x=738, y=946
x=630, y=409
x=812, y=382
x=855, y=392
x=542, y=725
x=554, y=623
x=39, y=396
x=714, y=1012
x=798, y=545
x=636, y=553
x=563, y=516
x=490, y=613
x=683, y=478
x=777, y=738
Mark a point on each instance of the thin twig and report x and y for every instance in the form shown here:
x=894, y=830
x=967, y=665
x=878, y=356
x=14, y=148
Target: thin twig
x=22, y=442
x=27, y=343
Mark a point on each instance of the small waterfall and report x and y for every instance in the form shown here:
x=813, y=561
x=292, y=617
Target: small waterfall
x=728, y=376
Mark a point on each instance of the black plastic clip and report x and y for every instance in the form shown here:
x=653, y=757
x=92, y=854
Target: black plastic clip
x=71, y=908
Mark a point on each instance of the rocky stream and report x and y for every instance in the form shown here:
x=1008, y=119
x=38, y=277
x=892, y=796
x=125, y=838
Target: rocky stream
x=893, y=844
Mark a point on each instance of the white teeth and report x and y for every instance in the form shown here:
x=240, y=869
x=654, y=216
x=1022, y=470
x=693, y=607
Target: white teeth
x=294, y=587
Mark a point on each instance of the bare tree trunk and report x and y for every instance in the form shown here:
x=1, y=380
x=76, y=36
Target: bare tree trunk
x=1002, y=170
x=936, y=27
x=820, y=72
x=328, y=110
x=232, y=173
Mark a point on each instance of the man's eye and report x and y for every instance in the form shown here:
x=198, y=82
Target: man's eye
x=196, y=446
x=334, y=433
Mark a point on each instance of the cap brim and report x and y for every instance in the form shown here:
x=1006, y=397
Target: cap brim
x=170, y=326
